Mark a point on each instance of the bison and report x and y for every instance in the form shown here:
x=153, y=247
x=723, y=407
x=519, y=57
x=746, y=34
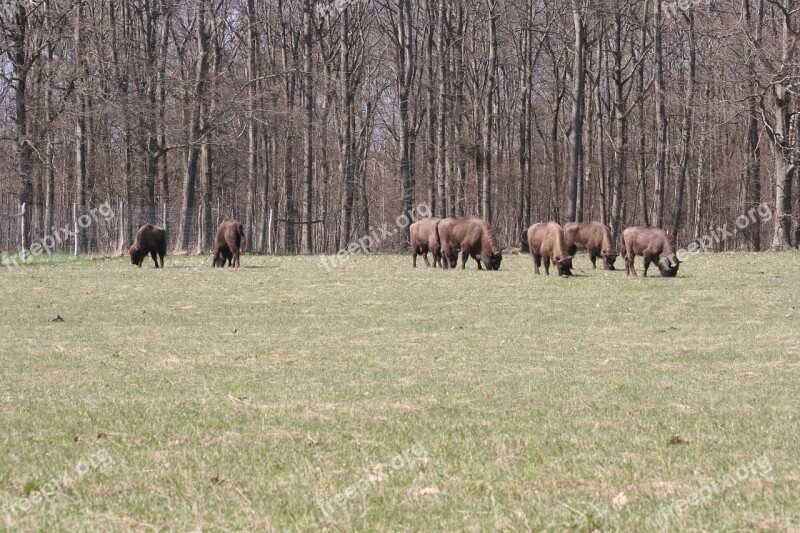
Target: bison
x=473, y=237
x=546, y=241
x=654, y=245
x=149, y=240
x=228, y=243
x=424, y=239
x=593, y=237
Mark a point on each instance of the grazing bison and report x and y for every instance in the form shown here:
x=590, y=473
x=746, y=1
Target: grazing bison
x=228, y=243
x=546, y=240
x=473, y=237
x=149, y=240
x=654, y=245
x=593, y=237
x=424, y=239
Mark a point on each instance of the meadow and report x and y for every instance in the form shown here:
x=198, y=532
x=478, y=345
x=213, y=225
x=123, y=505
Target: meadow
x=374, y=397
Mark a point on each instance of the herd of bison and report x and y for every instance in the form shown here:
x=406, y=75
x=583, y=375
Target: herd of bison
x=547, y=242
x=472, y=237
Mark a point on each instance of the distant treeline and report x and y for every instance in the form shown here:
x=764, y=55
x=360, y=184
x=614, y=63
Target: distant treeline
x=315, y=121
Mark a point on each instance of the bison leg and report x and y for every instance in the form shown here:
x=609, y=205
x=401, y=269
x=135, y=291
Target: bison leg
x=425, y=257
x=547, y=265
x=593, y=258
x=537, y=262
x=629, y=269
x=154, y=255
x=464, y=257
x=647, y=261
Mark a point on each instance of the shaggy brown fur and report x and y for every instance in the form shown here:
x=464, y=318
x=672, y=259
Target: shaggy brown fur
x=473, y=237
x=546, y=241
x=149, y=240
x=593, y=237
x=228, y=243
x=654, y=245
x=424, y=239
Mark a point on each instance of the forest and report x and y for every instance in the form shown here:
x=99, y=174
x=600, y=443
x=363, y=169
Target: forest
x=314, y=122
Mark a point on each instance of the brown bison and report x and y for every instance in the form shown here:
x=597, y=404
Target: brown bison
x=424, y=239
x=546, y=241
x=149, y=240
x=228, y=243
x=473, y=237
x=654, y=245
x=593, y=237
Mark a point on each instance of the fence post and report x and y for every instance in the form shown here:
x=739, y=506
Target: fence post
x=77, y=250
x=164, y=217
x=24, y=228
x=269, y=233
x=121, y=224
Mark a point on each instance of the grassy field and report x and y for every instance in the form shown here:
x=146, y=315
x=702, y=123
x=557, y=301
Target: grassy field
x=376, y=397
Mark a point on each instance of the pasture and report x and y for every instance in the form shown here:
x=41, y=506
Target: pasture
x=374, y=397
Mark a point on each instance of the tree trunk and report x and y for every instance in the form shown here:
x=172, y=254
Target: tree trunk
x=578, y=93
x=644, y=217
x=80, y=130
x=252, y=123
x=784, y=171
x=308, y=139
x=488, y=115
x=620, y=131
x=686, y=130
x=346, y=132
x=442, y=163
x=195, y=130
x=405, y=79
x=661, y=123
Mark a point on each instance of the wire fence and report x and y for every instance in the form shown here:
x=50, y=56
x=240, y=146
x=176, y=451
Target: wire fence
x=106, y=228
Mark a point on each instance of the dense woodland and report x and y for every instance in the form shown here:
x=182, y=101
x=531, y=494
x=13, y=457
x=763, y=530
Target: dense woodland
x=313, y=121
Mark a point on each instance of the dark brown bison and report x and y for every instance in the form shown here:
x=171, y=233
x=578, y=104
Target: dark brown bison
x=654, y=245
x=149, y=240
x=593, y=237
x=546, y=241
x=228, y=243
x=424, y=239
x=473, y=237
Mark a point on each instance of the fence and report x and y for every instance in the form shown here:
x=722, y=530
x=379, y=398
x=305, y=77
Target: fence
x=104, y=228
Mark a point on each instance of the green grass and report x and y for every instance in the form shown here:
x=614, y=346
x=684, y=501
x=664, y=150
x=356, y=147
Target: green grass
x=235, y=400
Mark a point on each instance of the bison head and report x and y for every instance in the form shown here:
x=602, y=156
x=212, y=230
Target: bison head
x=564, y=266
x=137, y=255
x=494, y=261
x=608, y=261
x=668, y=265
